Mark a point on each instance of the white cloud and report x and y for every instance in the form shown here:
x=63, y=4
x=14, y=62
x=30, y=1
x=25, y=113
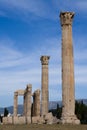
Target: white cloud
x=78, y=6
x=13, y=58
x=38, y=8
x=18, y=69
x=30, y=9
x=81, y=74
x=81, y=56
x=13, y=78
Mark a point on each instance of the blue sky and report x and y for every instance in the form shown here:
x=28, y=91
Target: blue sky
x=31, y=28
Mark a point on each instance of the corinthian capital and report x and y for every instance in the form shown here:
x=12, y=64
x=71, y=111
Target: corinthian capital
x=66, y=18
x=45, y=60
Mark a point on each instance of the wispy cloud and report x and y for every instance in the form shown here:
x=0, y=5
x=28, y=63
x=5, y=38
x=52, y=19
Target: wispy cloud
x=81, y=74
x=79, y=6
x=17, y=69
x=31, y=9
x=10, y=57
x=39, y=8
x=80, y=49
x=82, y=5
x=80, y=56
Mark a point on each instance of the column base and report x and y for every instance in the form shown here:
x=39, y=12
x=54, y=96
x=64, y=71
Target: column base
x=72, y=119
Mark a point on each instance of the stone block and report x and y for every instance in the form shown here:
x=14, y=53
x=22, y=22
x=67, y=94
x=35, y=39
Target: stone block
x=28, y=120
x=22, y=120
x=15, y=120
x=56, y=120
x=37, y=120
x=7, y=120
x=70, y=120
x=50, y=119
x=10, y=120
x=41, y=121
x=19, y=120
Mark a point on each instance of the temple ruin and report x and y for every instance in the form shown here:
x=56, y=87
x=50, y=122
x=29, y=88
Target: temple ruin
x=30, y=109
x=36, y=108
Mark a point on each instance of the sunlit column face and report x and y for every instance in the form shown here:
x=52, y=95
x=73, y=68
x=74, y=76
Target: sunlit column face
x=44, y=87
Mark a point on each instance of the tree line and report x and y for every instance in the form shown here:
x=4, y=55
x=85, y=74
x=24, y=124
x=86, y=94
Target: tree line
x=80, y=111
x=6, y=112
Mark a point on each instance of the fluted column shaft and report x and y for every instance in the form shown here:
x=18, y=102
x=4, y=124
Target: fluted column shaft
x=28, y=100
x=36, y=103
x=67, y=64
x=68, y=94
x=15, y=103
x=44, y=88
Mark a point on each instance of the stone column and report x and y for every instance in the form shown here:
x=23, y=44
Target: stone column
x=68, y=94
x=36, y=103
x=28, y=103
x=25, y=104
x=44, y=89
x=15, y=103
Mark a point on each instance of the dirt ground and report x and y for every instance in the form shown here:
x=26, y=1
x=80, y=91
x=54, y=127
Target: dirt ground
x=43, y=127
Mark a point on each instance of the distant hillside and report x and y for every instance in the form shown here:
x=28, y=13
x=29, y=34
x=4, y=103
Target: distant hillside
x=52, y=105
x=10, y=109
x=84, y=101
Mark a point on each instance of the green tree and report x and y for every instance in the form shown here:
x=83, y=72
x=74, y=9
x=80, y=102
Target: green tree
x=81, y=112
x=5, y=112
x=57, y=112
x=0, y=118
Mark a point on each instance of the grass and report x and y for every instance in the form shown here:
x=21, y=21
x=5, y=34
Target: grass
x=43, y=127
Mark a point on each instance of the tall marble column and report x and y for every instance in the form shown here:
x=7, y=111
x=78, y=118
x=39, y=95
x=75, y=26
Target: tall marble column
x=36, y=103
x=44, y=88
x=68, y=94
x=15, y=103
